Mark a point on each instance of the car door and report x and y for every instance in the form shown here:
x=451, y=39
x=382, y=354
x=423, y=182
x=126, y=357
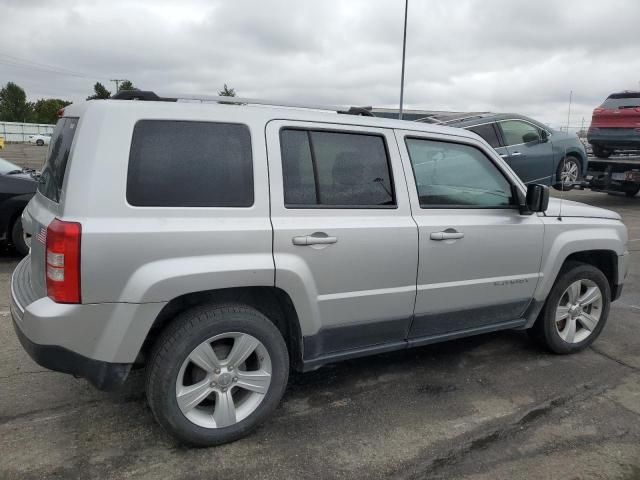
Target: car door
x=530, y=153
x=479, y=258
x=345, y=245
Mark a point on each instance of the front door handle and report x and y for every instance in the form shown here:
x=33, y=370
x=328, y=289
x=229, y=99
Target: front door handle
x=446, y=235
x=318, y=238
x=516, y=154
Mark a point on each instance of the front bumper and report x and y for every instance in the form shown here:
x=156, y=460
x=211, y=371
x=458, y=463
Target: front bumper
x=98, y=342
x=623, y=269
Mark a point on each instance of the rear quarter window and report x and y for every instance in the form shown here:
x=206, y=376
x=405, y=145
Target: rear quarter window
x=190, y=164
x=50, y=183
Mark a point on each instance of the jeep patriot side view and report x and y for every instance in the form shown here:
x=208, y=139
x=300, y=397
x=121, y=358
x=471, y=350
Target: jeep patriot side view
x=221, y=244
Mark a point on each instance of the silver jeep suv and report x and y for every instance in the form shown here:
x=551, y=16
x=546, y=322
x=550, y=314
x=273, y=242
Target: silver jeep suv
x=220, y=243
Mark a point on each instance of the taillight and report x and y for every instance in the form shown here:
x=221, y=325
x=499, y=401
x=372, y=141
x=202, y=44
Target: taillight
x=60, y=113
x=599, y=110
x=63, y=261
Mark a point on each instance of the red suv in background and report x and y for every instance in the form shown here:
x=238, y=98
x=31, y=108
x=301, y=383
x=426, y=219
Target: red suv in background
x=615, y=124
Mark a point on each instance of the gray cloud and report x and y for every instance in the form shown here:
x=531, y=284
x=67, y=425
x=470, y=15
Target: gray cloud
x=500, y=55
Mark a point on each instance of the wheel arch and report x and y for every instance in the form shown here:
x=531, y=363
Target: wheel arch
x=273, y=302
x=604, y=259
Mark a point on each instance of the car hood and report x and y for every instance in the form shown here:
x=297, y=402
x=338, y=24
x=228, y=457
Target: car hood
x=577, y=209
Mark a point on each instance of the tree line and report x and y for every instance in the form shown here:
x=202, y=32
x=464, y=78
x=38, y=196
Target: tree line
x=14, y=106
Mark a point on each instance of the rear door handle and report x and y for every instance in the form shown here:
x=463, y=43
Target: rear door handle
x=318, y=238
x=439, y=236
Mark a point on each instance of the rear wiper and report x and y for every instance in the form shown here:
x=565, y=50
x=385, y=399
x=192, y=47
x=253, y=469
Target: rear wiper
x=14, y=172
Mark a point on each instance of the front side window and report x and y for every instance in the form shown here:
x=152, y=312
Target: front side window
x=323, y=168
x=516, y=132
x=488, y=133
x=190, y=164
x=452, y=175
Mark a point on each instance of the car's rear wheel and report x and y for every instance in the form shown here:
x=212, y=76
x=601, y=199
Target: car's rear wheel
x=576, y=309
x=40, y=142
x=601, y=152
x=216, y=373
x=568, y=173
x=19, y=239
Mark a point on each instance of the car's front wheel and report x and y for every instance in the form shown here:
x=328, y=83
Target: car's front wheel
x=576, y=309
x=568, y=173
x=216, y=373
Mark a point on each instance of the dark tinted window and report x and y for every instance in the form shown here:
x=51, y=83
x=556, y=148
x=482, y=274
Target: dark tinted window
x=456, y=176
x=190, y=164
x=331, y=168
x=488, y=133
x=56, y=165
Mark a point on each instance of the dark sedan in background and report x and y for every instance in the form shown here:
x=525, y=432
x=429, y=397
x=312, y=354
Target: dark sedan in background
x=17, y=186
x=536, y=152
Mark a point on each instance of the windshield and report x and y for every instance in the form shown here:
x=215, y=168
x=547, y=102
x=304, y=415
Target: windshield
x=6, y=166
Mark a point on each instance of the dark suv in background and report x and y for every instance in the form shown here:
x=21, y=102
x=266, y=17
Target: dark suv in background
x=533, y=150
x=615, y=125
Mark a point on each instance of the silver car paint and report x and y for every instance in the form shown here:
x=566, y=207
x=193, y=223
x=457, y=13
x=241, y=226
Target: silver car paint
x=134, y=259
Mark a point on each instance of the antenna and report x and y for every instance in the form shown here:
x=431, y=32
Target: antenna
x=404, y=51
x=564, y=159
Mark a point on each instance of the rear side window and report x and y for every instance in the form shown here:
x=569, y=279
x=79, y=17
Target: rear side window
x=190, y=164
x=50, y=184
x=488, y=133
x=335, y=169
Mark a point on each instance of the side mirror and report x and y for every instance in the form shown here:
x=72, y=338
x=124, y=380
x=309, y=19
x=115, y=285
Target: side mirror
x=537, y=197
x=536, y=200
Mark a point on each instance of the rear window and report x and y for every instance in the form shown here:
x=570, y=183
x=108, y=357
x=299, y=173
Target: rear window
x=56, y=164
x=622, y=100
x=190, y=164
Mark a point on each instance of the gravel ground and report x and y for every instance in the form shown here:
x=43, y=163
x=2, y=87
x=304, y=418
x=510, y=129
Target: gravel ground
x=487, y=407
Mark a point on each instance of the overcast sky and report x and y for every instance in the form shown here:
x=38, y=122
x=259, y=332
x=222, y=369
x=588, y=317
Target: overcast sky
x=499, y=55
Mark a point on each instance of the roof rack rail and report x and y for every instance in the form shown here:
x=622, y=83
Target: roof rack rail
x=147, y=95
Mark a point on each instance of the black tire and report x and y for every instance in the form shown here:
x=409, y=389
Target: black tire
x=17, y=238
x=631, y=189
x=545, y=331
x=39, y=142
x=600, y=152
x=568, y=158
x=191, y=328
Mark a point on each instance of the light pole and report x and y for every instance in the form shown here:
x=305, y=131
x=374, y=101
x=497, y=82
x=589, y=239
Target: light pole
x=404, y=51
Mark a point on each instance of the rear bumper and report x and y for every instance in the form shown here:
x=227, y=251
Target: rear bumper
x=102, y=375
x=99, y=342
x=615, y=137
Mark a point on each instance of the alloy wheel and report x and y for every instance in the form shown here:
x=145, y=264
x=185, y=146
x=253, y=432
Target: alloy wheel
x=223, y=380
x=569, y=173
x=578, y=311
